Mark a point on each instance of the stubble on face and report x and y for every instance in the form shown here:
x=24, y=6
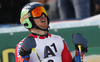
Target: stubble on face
x=41, y=22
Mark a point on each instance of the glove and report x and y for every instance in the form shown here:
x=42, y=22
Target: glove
x=78, y=39
x=27, y=46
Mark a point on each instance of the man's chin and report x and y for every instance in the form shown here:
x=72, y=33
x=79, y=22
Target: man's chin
x=45, y=27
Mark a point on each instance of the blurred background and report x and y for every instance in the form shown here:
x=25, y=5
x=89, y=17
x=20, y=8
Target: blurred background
x=66, y=18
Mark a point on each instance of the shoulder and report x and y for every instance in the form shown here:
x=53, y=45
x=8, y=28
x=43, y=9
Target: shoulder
x=60, y=38
x=55, y=36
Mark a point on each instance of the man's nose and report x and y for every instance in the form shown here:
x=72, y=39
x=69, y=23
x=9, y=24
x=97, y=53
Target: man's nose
x=43, y=16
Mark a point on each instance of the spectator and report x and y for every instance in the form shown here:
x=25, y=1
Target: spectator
x=92, y=7
x=97, y=6
x=73, y=8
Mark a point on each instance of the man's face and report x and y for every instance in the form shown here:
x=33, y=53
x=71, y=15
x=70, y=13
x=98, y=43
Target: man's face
x=41, y=22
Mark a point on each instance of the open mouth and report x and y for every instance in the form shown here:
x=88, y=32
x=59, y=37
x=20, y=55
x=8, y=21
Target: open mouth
x=43, y=21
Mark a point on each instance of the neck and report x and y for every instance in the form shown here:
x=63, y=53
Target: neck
x=39, y=32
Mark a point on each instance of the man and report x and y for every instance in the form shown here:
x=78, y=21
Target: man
x=40, y=46
x=69, y=9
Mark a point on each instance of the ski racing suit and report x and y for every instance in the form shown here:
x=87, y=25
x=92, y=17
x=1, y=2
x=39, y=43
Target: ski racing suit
x=50, y=48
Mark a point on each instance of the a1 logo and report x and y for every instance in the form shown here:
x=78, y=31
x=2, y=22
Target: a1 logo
x=48, y=51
